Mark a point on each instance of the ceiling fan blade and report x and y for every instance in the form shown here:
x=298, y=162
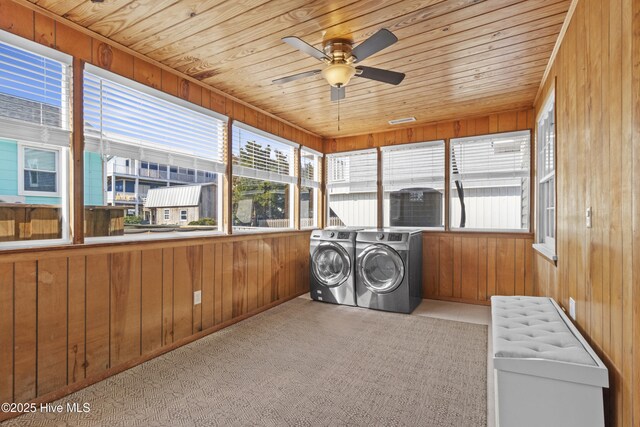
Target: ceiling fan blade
x=305, y=47
x=295, y=77
x=337, y=93
x=385, y=76
x=374, y=44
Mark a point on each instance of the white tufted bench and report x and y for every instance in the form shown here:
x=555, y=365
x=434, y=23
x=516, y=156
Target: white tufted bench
x=545, y=372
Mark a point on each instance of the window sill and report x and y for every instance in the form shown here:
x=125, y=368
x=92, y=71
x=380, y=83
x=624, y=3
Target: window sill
x=145, y=237
x=546, y=252
x=257, y=230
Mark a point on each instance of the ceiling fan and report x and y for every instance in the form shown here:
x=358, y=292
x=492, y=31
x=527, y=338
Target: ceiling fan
x=340, y=57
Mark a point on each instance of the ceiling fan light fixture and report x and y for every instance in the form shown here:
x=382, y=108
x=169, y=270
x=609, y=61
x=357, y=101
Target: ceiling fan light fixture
x=338, y=75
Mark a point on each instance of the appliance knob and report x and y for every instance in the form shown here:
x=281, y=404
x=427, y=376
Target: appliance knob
x=331, y=234
x=380, y=236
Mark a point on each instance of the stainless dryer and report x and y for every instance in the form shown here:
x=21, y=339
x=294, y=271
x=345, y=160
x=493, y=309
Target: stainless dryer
x=332, y=265
x=389, y=269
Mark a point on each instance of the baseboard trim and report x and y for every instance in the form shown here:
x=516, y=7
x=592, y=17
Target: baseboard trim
x=462, y=300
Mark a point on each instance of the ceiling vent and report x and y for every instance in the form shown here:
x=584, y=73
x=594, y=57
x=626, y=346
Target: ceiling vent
x=400, y=121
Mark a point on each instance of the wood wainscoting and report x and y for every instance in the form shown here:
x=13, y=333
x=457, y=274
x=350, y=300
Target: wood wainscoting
x=72, y=317
x=471, y=267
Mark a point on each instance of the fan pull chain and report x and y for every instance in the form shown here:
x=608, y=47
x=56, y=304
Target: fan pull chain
x=338, y=114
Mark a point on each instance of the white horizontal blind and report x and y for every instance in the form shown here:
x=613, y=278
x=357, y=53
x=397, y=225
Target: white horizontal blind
x=413, y=166
x=259, y=155
x=309, y=168
x=34, y=96
x=129, y=123
x=494, y=171
x=352, y=172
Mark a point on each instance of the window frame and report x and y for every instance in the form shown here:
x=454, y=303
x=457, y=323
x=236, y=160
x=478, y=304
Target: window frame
x=390, y=148
x=166, y=214
x=450, y=185
x=344, y=170
x=544, y=244
x=241, y=171
x=313, y=184
x=185, y=214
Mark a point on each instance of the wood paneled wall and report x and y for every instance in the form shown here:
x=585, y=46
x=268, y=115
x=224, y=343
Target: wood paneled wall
x=597, y=78
x=55, y=32
x=471, y=267
x=74, y=316
x=495, y=123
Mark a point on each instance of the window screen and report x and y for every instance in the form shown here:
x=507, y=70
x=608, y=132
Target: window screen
x=161, y=151
x=546, y=231
x=34, y=142
x=309, y=188
x=352, y=188
x=413, y=184
x=263, y=178
x=490, y=181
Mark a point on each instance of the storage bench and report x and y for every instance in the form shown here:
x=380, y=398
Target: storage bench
x=545, y=372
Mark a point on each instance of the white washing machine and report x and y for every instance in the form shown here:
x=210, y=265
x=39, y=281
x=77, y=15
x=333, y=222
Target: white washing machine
x=332, y=265
x=389, y=269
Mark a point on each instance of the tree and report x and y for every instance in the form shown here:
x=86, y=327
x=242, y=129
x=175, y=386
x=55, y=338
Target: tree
x=255, y=200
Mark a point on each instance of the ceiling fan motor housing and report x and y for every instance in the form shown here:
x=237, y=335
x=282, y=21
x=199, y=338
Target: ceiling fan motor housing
x=340, y=69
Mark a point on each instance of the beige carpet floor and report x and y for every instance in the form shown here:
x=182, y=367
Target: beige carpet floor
x=302, y=363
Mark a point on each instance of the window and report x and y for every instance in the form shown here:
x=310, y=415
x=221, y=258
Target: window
x=171, y=147
x=183, y=215
x=39, y=171
x=352, y=189
x=309, y=187
x=34, y=142
x=546, y=178
x=413, y=185
x=489, y=184
x=262, y=179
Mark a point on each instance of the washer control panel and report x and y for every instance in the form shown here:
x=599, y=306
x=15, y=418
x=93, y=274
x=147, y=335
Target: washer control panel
x=395, y=237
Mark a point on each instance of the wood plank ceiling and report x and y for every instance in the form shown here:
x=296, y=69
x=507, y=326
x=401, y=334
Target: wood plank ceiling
x=461, y=57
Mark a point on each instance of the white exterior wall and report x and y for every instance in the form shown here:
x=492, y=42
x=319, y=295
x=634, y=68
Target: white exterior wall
x=488, y=208
x=355, y=209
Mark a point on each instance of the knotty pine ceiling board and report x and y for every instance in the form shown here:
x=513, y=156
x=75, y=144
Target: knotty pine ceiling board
x=461, y=57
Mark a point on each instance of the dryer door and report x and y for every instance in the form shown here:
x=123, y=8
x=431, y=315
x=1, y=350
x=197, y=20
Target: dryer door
x=380, y=268
x=331, y=264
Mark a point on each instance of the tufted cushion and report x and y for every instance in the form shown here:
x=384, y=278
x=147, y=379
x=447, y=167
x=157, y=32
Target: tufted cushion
x=531, y=328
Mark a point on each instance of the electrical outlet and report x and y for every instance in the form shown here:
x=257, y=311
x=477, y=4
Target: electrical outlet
x=572, y=308
x=588, y=217
x=197, y=297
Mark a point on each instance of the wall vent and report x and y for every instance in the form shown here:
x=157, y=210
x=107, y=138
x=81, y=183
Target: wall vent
x=400, y=121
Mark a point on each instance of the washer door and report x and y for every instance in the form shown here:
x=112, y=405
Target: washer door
x=380, y=268
x=331, y=264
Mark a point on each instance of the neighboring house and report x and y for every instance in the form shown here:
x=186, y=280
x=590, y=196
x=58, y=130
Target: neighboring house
x=129, y=181
x=179, y=205
x=29, y=173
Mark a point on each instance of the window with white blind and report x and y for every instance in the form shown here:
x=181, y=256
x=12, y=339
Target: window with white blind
x=352, y=188
x=168, y=151
x=34, y=141
x=490, y=182
x=546, y=178
x=309, y=187
x=263, y=179
x=413, y=184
